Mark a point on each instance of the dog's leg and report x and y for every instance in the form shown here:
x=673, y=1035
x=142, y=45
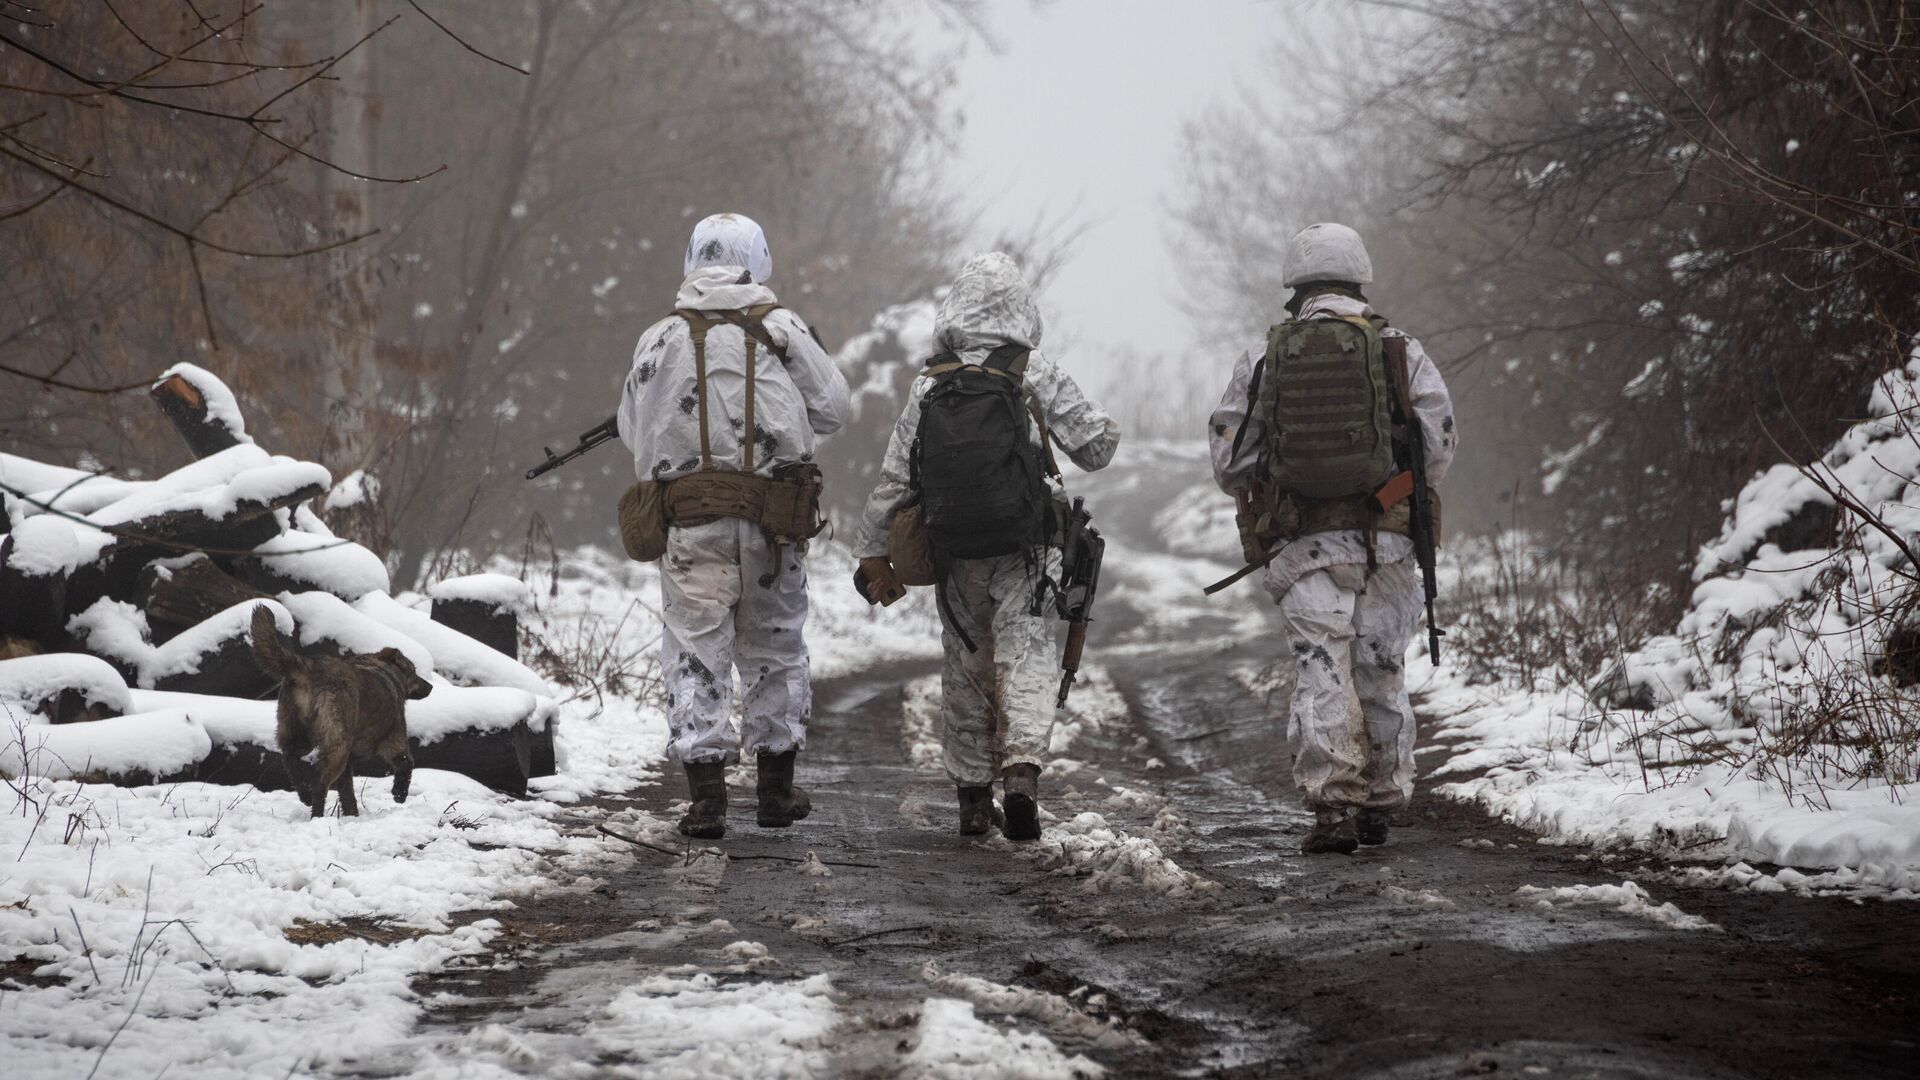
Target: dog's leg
x=349, y=806
x=394, y=750
x=334, y=773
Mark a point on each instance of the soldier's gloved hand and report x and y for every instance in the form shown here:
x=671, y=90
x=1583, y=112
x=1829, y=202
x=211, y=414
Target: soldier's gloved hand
x=877, y=582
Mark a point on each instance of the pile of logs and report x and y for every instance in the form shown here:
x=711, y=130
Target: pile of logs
x=155, y=578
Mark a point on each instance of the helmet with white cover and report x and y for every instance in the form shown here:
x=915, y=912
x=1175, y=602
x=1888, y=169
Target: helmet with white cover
x=730, y=240
x=1327, y=252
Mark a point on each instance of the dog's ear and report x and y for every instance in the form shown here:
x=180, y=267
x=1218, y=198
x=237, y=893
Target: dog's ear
x=416, y=686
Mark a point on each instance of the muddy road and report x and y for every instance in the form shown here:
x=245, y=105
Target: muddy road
x=1167, y=924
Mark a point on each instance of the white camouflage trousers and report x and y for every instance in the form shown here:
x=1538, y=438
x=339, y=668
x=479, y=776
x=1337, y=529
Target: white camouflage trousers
x=1350, y=729
x=724, y=606
x=1003, y=692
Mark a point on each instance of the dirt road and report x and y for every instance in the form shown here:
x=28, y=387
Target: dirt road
x=1422, y=958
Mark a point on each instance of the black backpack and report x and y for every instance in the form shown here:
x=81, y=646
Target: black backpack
x=981, y=480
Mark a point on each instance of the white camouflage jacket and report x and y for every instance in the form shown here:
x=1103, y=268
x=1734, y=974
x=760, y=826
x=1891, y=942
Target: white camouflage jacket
x=794, y=402
x=990, y=305
x=1236, y=473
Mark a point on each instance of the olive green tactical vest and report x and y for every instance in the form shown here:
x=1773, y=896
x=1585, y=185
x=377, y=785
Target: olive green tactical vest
x=1327, y=403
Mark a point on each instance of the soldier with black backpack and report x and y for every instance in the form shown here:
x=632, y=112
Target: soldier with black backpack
x=1331, y=436
x=971, y=462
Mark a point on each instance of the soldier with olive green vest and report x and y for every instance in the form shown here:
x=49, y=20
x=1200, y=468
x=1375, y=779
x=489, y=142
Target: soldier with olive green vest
x=1315, y=438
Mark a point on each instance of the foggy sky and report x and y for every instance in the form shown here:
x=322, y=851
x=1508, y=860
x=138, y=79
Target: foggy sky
x=1078, y=118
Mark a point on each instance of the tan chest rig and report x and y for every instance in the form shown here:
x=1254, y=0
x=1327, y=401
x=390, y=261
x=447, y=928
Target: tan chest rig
x=786, y=505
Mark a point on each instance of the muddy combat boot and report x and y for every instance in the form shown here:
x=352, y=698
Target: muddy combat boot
x=976, y=809
x=1022, y=803
x=707, y=786
x=1371, y=825
x=781, y=804
x=1333, y=833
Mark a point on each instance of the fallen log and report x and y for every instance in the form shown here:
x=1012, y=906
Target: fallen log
x=496, y=628
x=188, y=593
x=33, y=596
x=499, y=737
x=201, y=408
x=63, y=688
x=132, y=751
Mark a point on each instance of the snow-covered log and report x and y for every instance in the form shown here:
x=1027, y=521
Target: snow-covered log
x=186, y=592
x=298, y=560
x=215, y=656
x=455, y=655
x=34, y=561
x=500, y=737
x=143, y=748
x=61, y=688
x=485, y=607
x=201, y=408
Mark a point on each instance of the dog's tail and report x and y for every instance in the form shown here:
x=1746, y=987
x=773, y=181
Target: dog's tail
x=270, y=651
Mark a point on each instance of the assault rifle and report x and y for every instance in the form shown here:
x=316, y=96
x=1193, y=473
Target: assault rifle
x=588, y=440
x=1421, y=529
x=1080, y=560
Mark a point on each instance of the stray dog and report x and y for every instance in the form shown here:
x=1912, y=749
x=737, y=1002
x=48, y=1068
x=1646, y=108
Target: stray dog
x=347, y=707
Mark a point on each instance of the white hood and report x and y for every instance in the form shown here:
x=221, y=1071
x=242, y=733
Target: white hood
x=1327, y=252
x=734, y=240
x=990, y=305
x=721, y=288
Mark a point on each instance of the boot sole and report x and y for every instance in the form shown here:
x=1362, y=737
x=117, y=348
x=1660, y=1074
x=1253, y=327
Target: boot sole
x=701, y=832
x=1023, y=819
x=1337, y=847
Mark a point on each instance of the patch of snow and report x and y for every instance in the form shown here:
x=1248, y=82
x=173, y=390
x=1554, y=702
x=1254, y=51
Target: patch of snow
x=951, y=1043
x=1051, y=1011
x=322, y=617
x=158, y=744
x=697, y=1026
x=1627, y=898
x=354, y=489
x=323, y=561
x=500, y=591
x=455, y=655
x=47, y=546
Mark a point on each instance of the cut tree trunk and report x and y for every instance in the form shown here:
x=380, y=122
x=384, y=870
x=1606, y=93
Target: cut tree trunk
x=183, y=404
x=32, y=606
x=187, y=595
x=495, y=627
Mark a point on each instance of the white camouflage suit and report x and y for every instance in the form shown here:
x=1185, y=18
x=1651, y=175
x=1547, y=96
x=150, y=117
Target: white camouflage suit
x=1350, y=727
x=1007, y=686
x=724, y=601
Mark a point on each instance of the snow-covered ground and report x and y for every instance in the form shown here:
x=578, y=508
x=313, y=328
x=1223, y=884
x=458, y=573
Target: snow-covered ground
x=1776, y=725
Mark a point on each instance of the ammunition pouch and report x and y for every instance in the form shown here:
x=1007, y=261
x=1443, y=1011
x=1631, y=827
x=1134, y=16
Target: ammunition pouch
x=786, y=507
x=910, y=548
x=643, y=521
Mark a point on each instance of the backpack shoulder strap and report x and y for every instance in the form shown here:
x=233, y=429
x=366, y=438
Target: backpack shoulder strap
x=1009, y=360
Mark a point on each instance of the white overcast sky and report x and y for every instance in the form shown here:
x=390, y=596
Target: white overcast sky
x=1078, y=117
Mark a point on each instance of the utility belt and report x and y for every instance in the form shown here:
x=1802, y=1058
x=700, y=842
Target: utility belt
x=1268, y=517
x=786, y=506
